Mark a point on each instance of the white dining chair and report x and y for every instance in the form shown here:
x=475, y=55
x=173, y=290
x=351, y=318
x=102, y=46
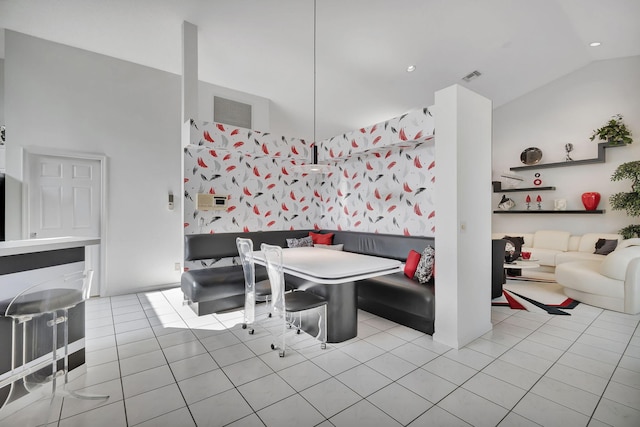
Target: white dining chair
x=289, y=306
x=253, y=291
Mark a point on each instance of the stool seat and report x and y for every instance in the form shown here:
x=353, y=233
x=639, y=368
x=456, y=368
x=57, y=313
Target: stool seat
x=40, y=302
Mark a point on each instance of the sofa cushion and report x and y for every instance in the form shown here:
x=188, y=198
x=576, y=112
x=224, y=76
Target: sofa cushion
x=605, y=247
x=513, y=248
x=398, y=291
x=410, y=267
x=570, y=256
x=217, y=283
x=551, y=239
x=299, y=243
x=585, y=276
x=615, y=264
x=424, y=271
x=321, y=238
x=588, y=241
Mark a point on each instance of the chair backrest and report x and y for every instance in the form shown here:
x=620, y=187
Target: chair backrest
x=273, y=259
x=63, y=292
x=245, y=250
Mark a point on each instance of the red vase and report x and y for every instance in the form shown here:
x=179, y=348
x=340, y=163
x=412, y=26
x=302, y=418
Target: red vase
x=590, y=200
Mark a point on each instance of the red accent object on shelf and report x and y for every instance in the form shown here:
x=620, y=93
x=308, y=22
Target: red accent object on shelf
x=538, y=199
x=528, y=200
x=590, y=200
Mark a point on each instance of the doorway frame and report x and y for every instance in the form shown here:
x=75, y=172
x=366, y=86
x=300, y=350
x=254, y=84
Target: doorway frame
x=29, y=151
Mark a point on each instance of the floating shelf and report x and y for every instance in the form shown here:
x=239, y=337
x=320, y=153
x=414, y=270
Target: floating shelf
x=600, y=159
x=536, y=211
x=514, y=190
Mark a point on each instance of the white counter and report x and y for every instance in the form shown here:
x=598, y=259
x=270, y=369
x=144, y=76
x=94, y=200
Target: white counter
x=14, y=247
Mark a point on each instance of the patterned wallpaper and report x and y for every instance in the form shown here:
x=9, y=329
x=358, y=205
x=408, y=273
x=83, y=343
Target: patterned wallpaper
x=254, y=170
x=381, y=181
x=384, y=178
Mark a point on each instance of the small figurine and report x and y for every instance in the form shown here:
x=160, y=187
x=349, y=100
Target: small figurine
x=528, y=200
x=506, y=203
x=568, y=147
x=539, y=200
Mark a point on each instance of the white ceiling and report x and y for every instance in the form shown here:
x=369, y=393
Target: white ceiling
x=363, y=47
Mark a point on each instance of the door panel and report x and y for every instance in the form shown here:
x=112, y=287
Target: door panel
x=64, y=196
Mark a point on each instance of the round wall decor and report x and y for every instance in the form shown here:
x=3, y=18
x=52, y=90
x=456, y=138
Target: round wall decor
x=531, y=156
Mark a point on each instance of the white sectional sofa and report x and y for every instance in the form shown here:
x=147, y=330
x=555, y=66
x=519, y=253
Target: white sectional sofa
x=612, y=283
x=551, y=248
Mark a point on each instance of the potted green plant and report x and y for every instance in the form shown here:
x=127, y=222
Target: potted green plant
x=615, y=132
x=629, y=202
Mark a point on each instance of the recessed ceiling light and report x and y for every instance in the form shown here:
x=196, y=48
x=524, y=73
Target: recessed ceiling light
x=595, y=44
x=411, y=68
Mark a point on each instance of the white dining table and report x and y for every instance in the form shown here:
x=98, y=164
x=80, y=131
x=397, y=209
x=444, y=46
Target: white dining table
x=329, y=266
x=333, y=275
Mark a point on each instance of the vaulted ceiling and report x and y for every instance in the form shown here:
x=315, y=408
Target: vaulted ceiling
x=362, y=47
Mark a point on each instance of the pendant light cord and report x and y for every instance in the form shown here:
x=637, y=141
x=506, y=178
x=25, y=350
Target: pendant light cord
x=315, y=146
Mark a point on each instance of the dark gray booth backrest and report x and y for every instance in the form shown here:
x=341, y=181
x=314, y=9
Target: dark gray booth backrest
x=221, y=245
x=382, y=245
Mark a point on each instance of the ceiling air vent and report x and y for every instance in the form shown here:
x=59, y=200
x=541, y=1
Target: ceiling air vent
x=231, y=112
x=472, y=75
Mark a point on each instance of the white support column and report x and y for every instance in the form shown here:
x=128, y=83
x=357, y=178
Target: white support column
x=463, y=216
x=189, y=71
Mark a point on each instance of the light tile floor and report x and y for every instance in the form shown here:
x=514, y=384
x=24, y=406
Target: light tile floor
x=164, y=366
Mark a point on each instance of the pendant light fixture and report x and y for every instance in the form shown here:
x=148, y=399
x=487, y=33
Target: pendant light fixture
x=313, y=167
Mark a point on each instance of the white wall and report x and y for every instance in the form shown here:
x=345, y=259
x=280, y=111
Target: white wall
x=70, y=99
x=463, y=224
x=567, y=110
x=1, y=90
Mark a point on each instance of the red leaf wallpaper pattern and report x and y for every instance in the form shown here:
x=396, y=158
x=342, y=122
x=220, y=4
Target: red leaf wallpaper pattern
x=379, y=183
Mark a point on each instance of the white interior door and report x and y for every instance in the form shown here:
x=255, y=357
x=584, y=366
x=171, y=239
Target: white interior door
x=64, y=199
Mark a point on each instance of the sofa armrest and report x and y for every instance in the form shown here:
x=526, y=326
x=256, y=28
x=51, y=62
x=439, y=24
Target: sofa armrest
x=632, y=287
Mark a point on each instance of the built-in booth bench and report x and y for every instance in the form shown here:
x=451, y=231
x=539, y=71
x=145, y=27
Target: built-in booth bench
x=393, y=296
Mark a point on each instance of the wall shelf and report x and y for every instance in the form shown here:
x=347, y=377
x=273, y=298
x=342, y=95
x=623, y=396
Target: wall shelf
x=536, y=211
x=514, y=190
x=600, y=159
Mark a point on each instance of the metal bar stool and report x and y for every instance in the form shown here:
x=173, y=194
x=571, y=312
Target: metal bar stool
x=50, y=301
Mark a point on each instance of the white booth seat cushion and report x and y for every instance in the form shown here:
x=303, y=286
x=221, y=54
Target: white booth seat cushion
x=585, y=276
x=551, y=239
x=563, y=257
x=615, y=264
x=543, y=256
x=588, y=241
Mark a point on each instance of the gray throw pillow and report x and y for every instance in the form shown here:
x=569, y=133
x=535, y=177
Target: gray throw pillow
x=425, y=266
x=605, y=247
x=299, y=243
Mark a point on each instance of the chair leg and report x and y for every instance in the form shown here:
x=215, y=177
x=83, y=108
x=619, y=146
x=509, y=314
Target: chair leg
x=71, y=393
x=323, y=343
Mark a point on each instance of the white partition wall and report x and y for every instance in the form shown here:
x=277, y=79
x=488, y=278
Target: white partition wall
x=463, y=216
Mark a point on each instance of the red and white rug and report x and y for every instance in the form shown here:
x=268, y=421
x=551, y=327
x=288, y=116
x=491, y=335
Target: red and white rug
x=536, y=297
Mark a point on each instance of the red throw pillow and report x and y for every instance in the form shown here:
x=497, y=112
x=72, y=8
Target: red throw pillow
x=321, y=239
x=412, y=264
